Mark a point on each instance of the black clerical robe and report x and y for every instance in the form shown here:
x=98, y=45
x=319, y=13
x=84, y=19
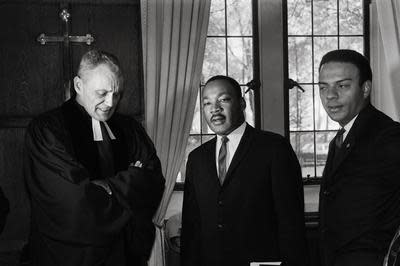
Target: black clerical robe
x=75, y=222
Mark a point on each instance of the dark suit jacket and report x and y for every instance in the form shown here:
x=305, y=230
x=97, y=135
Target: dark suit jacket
x=258, y=212
x=75, y=222
x=360, y=194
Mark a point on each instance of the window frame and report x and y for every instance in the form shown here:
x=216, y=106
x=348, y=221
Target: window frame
x=366, y=39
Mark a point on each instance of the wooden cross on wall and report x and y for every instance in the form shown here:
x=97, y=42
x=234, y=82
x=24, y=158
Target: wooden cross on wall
x=66, y=39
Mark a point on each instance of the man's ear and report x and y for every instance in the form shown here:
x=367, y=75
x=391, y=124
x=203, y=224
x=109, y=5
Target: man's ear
x=366, y=88
x=78, y=83
x=242, y=104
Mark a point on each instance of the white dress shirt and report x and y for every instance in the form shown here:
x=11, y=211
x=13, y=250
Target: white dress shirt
x=231, y=146
x=348, y=126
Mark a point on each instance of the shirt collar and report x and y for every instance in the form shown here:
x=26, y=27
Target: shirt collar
x=97, y=136
x=348, y=126
x=235, y=135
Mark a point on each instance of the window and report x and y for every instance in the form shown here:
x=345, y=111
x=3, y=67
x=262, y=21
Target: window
x=229, y=51
x=314, y=28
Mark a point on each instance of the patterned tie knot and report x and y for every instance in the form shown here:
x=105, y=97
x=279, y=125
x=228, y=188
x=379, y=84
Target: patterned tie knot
x=339, y=137
x=224, y=139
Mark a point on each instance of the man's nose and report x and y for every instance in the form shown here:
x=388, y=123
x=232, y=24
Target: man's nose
x=109, y=100
x=215, y=107
x=331, y=92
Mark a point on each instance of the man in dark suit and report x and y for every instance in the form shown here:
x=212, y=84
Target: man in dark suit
x=360, y=189
x=93, y=176
x=243, y=198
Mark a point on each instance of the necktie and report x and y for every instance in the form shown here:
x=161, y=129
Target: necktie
x=222, y=160
x=106, y=158
x=338, y=145
x=339, y=137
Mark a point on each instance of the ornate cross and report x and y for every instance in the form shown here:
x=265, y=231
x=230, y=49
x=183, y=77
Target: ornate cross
x=66, y=39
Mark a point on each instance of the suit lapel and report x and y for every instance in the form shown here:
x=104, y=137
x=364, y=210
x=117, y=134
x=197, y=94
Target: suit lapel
x=209, y=161
x=344, y=151
x=355, y=134
x=241, y=151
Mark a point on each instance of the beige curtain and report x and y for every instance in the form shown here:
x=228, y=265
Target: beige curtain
x=174, y=36
x=385, y=55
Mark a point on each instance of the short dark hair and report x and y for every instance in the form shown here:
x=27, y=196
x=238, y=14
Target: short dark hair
x=352, y=57
x=235, y=85
x=94, y=58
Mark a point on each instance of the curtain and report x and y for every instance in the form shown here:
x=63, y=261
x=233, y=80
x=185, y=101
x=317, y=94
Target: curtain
x=174, y=35
x=385, y=55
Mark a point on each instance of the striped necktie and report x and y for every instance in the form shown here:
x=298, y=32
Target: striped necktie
x=339, y=137
x=222, y=160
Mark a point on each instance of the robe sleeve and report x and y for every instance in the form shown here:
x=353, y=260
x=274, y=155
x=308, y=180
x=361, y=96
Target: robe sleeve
x=139, y=188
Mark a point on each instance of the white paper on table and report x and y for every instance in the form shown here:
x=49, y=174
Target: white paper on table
x=265, y=263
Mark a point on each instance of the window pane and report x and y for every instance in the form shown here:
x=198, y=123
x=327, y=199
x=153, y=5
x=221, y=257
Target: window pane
x=193, y=142
x=351, y=17
x=299, y=17
x=322, y=142
x=325, y=17
x=301, y=108
x=216, y=25
x=240, y=59
x=239, y=17
x=303, y=145
x=322, y=45
x=354, y=43
x=300, y=59
x=214, y=59
x=250, y=105
x=322, y=120
x=196, y=117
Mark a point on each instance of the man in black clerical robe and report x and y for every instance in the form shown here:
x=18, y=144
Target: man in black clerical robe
x=93, y=176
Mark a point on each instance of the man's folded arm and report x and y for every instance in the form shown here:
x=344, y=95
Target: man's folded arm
x=62, y=193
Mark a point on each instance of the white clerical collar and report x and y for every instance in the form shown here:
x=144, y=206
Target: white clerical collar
x=236, y=135
x=348, y=126
x=97, y=136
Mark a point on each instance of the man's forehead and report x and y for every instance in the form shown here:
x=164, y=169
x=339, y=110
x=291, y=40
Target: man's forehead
x=218, y=87
x=342, y=69
x=339, y=66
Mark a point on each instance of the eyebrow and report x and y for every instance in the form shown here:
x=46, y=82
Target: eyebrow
x=337, y=81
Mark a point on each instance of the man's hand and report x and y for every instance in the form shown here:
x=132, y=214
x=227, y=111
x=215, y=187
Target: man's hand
x=137, y=164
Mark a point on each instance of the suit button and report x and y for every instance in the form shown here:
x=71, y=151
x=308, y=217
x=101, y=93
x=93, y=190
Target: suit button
x=220, y=202
x=220, y=226
x=327, y=193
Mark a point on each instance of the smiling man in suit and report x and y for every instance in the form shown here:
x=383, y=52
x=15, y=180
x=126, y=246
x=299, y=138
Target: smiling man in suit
x=360, y=189
x=243, y=198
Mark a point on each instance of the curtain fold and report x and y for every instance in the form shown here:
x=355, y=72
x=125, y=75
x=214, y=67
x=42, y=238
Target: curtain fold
x=385, y=55
x=174, y=36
